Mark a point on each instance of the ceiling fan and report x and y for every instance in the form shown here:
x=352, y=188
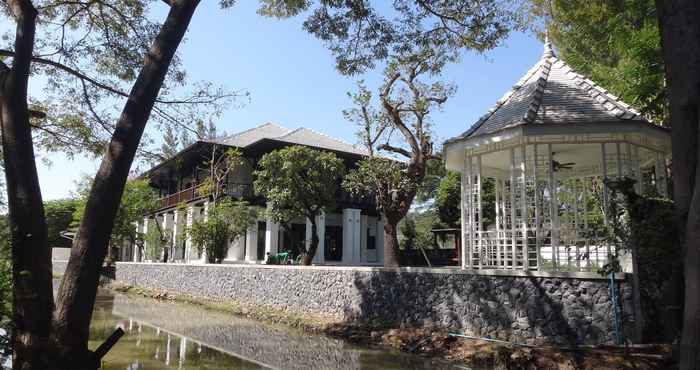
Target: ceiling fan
x=556, y=166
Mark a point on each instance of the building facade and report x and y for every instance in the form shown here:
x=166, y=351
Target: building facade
x=350, y=234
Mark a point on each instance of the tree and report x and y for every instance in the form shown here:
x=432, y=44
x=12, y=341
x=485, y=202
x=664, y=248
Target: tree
x=33, y=299
x=220, y=166
x=138, y=199
x=59, y=214
x=111, y=38
x=226, y=220
x=680, y=40
x=298, y=181
x=406, y=102
x=359, y=35
x=5, y=289
x=448, y=199
x=615, y=43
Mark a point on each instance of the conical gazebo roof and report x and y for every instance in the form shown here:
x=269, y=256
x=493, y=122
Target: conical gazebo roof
x=551, y=92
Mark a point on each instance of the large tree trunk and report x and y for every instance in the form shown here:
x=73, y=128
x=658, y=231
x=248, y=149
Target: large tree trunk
x=76, y=295
x=31, y=256
x=391, y=243
x=313, y=245
x=680, y=37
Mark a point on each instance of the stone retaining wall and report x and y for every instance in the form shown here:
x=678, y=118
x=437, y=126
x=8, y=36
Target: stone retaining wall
x=536, y=308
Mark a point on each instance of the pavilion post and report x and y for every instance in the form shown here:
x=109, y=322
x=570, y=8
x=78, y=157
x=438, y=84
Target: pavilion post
x=538, y=229
x=513, y=204
x=464, y=219
x=478, y=224
x=523, y=205
x=604, y=153
x=554, y=209
x=470, y=186
x=637, y=168
x=660, y=174
x=497, y=191
x=585, y=223
x=618, y=160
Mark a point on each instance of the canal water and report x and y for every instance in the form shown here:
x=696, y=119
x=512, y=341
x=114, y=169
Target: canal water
x=168, y=335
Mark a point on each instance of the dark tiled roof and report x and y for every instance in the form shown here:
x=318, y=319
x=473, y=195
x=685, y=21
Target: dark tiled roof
x=551, y=92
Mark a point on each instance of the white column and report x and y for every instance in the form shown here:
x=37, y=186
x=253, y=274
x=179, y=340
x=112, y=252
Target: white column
x=319, y=257
x=464, y=208
x=167, y=229
x=205, y=217
x=363, y=239
x=554, y=206
x=380, y=239
x=177, y=229
x=145, y=238
x=524, y=204
x=189, y=218
x=251, y=243
x=271, y=237
x=351, y=236
x=660, y=174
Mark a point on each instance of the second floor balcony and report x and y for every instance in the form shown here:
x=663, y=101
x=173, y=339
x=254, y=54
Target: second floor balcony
x=235, y=190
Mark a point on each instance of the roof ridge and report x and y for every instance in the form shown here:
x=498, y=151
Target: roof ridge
x=324, y=135
x=518, y=85
x=545, y=68
x=290, y=132
x=617, y=107
x=254, y=128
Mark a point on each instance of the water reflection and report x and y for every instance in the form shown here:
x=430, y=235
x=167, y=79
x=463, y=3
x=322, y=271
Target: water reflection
x=163, y=335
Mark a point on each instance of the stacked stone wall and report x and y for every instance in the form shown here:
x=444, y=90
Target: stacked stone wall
x=518, y=306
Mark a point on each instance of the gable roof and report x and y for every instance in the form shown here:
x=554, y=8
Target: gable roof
x=552, y=92
x=250, y=136
x=299, y=136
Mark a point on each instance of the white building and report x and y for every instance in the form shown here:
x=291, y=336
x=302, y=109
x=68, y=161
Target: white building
x=351, y=234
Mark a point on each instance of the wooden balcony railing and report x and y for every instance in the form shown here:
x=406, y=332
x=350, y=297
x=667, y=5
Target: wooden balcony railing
x=192, y=193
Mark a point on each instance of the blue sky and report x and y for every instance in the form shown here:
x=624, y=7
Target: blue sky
x=292, y=80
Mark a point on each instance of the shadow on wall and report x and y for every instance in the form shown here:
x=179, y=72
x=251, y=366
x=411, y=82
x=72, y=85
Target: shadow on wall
x=528, y=309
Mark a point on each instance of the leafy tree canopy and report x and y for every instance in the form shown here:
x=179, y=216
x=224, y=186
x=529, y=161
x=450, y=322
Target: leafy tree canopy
x=225, y=221
x=59, y=214
x=616, y=43
x=138, y=200
x=87, y=55
x=298, y=181
x=359, y=32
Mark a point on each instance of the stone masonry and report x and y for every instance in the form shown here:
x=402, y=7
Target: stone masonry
x=535, y=308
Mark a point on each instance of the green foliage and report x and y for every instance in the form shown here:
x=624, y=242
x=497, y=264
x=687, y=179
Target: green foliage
x=379, y=174
x=154, y=240
x=225, y=221
x=360, y=33
x=435, y=172
x=646, y=226
x=448, y=198
x=416, y=229
x=138, y=200
x=616, y=43
x=92, y=52
x=59, y=215
x=298, y=182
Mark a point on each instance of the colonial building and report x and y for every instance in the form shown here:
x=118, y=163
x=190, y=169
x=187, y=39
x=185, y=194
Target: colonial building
x=546, y=148
x=351, y=234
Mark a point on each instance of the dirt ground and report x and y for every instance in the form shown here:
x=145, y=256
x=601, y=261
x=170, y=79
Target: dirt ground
x=489, y=355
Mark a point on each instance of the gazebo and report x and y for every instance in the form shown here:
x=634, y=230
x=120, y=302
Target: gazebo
x=541, y=155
